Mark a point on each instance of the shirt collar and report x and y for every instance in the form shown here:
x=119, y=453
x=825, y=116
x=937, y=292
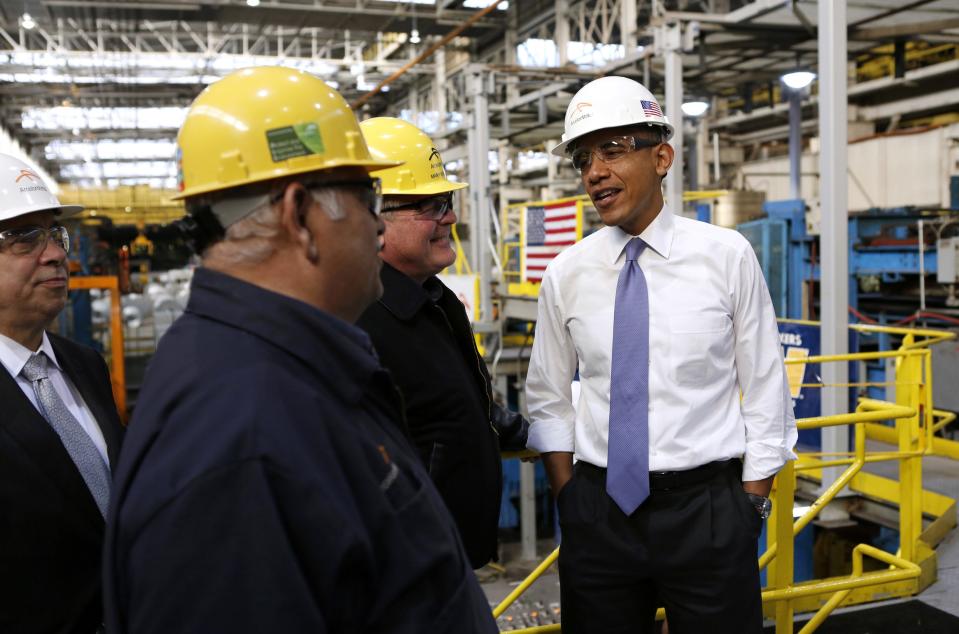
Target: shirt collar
x=402, y=296
x=14, y=355
x=658, y=236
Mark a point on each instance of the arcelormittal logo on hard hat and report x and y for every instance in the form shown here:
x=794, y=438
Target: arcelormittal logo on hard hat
x=27, y=174
x=33, y=182
x=580, y=112
x=437, y=169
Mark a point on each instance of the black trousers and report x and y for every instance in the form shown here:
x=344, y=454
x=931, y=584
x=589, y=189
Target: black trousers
x=691, y=547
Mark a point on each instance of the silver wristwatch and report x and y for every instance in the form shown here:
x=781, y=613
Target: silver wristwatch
x=763, y=505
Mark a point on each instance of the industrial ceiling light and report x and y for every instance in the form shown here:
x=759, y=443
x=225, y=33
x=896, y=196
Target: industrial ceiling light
x=27, y=21
x=797, y=80
x=695, y=108
x=414, y=37
x=252, y=3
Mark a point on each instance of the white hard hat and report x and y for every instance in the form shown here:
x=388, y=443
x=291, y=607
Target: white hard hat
x=23, y=192
x=611, y=102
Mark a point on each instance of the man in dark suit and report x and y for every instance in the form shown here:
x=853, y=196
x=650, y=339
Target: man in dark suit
x=59, y=429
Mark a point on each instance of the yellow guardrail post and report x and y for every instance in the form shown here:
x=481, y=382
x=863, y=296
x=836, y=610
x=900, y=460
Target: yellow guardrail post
x=908, y=380
x=781, y=575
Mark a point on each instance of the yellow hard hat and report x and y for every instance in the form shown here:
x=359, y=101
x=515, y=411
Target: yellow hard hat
x=422, y=170
x=257, y=124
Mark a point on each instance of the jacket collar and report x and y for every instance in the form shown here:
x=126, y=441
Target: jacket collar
x=339, y=352
x=402, y=296
x=658, y=236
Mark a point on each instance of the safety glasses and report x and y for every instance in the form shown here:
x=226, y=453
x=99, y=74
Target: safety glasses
x=432, y=208
x=370, y=190
x=610, y=150
x=30, y=240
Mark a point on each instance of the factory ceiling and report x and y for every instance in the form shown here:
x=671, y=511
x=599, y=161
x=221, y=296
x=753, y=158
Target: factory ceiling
x=95, y=89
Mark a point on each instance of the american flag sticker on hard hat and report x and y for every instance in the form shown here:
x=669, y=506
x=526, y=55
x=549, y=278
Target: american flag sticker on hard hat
x=651, y=108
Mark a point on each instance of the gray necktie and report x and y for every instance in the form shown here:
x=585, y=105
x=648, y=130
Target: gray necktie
x=76, y=441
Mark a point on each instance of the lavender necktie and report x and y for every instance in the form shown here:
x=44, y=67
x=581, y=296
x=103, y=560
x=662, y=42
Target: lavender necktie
x=627, y=478
x=78, y=444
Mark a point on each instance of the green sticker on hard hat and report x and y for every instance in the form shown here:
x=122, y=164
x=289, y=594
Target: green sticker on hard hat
x=301, y=139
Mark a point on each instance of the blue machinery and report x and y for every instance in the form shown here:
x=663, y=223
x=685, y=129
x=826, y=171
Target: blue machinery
x=881, y=247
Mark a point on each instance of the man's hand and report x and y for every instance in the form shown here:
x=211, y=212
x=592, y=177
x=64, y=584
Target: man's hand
x=559, y=469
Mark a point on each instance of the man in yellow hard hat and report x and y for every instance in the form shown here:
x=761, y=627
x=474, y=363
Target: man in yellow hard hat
x=423, y=336
x=266, y=485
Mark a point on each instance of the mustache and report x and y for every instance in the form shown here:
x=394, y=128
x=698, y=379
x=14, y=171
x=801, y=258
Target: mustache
x=59, y=273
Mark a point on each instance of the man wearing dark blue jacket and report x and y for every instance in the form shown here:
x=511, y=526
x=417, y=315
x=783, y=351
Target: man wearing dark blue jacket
x=266, y=484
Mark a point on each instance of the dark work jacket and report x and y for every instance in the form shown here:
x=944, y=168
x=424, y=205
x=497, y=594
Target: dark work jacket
x=265, y=487
x=51, y=531
x=457, y=428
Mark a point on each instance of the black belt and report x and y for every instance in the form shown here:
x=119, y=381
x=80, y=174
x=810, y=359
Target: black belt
x=665, y=480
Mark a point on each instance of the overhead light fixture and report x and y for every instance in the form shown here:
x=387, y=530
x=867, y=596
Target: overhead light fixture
x=414, y=37
x=27, y=21
x=799, y=79
x=695, y=108
x=252, y=3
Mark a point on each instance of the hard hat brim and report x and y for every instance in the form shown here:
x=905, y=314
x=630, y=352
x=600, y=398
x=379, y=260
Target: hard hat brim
x=439, y=187
x=61, y=211
x=371, y=165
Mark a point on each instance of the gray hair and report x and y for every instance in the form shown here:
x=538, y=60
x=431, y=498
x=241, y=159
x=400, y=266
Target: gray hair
x=252, y=239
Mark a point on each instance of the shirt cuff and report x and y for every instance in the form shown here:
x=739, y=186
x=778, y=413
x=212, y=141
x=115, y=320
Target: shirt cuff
x=551, y=435
x=764, y=460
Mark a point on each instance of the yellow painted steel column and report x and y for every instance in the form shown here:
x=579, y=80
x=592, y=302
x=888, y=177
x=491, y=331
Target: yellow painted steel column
x=781, y=575
x=908, y=381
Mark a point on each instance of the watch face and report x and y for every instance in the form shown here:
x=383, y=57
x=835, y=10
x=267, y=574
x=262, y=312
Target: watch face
x=763, y=505
x=765, y=509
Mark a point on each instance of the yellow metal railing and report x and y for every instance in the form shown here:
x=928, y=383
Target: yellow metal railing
x=914, y=566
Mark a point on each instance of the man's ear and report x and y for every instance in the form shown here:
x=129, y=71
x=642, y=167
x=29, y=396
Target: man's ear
x=664, y=158
x=294, y=211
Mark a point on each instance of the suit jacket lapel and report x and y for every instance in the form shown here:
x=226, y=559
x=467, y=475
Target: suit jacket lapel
x=21, y=420
x=104, y=414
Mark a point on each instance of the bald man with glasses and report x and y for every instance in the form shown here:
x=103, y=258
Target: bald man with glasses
x=59, y=428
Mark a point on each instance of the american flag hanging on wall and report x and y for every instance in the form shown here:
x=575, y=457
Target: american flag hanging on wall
x=548, y=230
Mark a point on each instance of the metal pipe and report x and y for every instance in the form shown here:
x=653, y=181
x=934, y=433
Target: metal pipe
x=716, y=171
x=795, y=144
x=476, y=17
x=674, y=101
x=922, y=267
x=834, y=243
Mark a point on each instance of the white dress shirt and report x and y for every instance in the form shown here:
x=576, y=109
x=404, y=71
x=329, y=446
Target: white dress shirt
x=14, y=356
x=712, y=335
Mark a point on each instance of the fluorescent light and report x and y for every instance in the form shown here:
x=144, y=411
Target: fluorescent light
x=482, y=4
x=695, y=108
x=252, y=3
x=799, y=79
x=69, y=118
x=27, y=21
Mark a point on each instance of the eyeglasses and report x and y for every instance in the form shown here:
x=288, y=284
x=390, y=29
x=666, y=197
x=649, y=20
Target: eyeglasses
x=28, y=240
x=432, y=208
x=610, y=150
x=371, y=191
